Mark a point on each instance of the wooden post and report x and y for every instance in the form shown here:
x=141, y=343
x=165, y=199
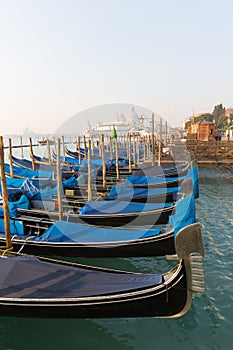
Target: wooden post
x=107, y=143
x=103, y=162
x=117, y=161
x=134, y=152
x=10, y=158
x=145, y=147
x=165, y=143
x=49, y=153
x=159, y=152
x=79, y=150
x=110, y=147
x=59, y=180
x=160, y=142
x=31, y=154
x=5, y=197
x=130, y=159
x=92, y=144
x=21, y=144
x=89, y=172
x=85, y=147
x=153, y=139
x=100, y=145
x=63, y=149
x=138, y=149
x=148, y=145
x=127, y=146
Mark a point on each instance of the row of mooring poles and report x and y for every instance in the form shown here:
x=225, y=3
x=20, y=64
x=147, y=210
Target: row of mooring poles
x=132, y=142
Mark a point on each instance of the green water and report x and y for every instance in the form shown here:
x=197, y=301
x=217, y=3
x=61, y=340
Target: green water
x=207, y=325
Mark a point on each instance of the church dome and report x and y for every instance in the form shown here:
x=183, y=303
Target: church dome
x=132, y=118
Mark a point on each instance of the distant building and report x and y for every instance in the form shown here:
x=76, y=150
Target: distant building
x=229, y=113
x=229, y=133
x=202, y=131
x=133, y=123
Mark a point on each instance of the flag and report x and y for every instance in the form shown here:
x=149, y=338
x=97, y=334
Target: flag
x=114, y=133
x=114, y=138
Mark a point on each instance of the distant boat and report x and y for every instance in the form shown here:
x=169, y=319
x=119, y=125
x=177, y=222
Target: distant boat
x=133, y=124
x=44, y=141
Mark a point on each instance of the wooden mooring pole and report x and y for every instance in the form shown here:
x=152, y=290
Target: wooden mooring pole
x=10, y=158
x=59, y=180
x=103, y=162
x=31, y=154
x=5, y=197
x=153, y=139
x=89, y=191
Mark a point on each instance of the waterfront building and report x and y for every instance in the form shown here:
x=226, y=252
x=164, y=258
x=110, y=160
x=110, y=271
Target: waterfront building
x=133, y=123
x=202, y=131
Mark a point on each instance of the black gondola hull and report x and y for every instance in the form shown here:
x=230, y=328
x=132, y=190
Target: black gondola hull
x=160, y=245
x=153, y=217
x=168, y=300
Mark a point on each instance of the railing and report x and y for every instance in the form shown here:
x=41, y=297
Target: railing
x=216, y=151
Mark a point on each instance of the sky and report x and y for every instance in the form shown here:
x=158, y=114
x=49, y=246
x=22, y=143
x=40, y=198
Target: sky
x=61, y=57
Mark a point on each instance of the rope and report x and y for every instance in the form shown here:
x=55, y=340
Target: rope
x=23, y=245
x=6, y=250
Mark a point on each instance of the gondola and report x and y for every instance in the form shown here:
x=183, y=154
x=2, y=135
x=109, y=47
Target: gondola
x=119, y=213
x=40, y=287
x=166, y=171
x=45, y=141
x=115, y=214
x=35, y=236
x=153, y=181
x=19, y=172
x=167, y=182
x=95, y=154
x=144, y=195
x=155, y=189
x=27, y=164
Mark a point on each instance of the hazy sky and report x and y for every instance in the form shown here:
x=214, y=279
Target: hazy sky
x=59, y=57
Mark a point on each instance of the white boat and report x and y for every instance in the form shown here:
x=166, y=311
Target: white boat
x=134, y=124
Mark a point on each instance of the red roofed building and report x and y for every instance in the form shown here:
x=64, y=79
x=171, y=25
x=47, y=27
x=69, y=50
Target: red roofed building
x=202, y=131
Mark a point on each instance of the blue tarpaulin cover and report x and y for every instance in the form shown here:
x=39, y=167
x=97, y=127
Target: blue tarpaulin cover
x=185, y=214
x=193, y=173
x=150, y=170
x=12, y=183
x=63, y=231
x=134, y=192
x=22, y=203
x=119, y=207
x=25, y=163
x=27, y=173
x=150, y=180
x=16, y=227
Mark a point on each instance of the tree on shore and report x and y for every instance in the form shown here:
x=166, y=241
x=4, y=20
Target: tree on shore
x=219, y=116
x=205, y=116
